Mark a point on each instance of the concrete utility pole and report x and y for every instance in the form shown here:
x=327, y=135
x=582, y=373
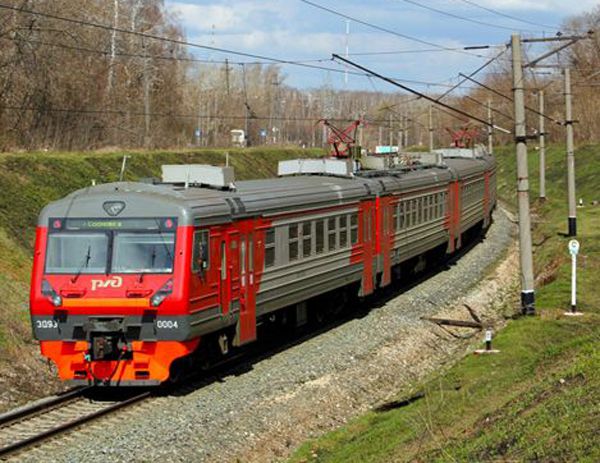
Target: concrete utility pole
x=542, y=136
x=391, y=131
x=490, y=128
x=430, y=127
x=570, y=156
x=147, y=107
x=526, y=253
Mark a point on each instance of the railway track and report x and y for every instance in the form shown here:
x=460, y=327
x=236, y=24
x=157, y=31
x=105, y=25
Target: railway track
x=24, y=427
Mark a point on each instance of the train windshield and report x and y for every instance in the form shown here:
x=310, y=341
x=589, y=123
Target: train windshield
x=93, y=246
x=143, y=252
x=77, y=253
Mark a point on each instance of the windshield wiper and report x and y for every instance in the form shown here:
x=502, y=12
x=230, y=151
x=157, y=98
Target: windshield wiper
x=152, y=260
x=85, y=264
x=162, y=240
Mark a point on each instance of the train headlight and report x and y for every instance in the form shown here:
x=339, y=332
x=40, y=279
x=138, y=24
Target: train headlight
x=50, y=293
x=161, y=294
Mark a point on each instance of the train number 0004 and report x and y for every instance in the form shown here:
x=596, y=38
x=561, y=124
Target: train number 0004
x=167, y=324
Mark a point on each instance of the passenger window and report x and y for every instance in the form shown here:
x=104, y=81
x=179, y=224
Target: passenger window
x=223, y=261
x=331, y=233
x=306, y=238
x=320, y=236
x=293, y=242
x=200, y=251
x=270, y=248
x=343, y=231
x=354, y=229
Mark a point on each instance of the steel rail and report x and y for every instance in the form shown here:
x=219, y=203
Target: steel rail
x=41, y=405
x=66, y=426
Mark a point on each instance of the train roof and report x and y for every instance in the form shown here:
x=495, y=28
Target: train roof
x=201, y=205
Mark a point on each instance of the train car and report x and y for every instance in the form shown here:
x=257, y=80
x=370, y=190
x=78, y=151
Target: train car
x=131, y=279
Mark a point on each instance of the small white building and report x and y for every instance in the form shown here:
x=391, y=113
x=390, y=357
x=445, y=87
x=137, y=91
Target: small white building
x=238, y=138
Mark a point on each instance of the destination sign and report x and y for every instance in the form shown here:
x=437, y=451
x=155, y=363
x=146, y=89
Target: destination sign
x=159, y=223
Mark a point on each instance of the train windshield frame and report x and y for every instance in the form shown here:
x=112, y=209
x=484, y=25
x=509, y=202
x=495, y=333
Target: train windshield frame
x=77, y=253
x=142, y=252
x=107, y=246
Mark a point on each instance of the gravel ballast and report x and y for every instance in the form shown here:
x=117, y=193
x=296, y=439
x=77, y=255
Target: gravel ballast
x=264, y=413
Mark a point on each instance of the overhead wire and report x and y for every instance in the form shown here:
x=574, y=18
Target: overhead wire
x=410, y=51
x=174, y=115
x=205, y=61
x=163, y=39
x=514, y=18
x=422, y=95
x=506, y=97
x=476, y=71
x=463, y=18
x=389, y=31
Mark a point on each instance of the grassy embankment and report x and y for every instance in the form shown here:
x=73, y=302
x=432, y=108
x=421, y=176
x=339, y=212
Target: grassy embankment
x=28, y=181
x=539, y=399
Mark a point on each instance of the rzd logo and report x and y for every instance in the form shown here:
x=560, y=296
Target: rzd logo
x=113, y=282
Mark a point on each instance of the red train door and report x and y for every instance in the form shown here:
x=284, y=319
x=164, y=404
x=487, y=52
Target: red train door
x=225, y=267
x=368, y=238
x=247, y=323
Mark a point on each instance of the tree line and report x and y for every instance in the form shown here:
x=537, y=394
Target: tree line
x=70, y=86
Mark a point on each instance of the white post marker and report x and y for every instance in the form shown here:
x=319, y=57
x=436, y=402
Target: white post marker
x=574, y=250
x=488, y=344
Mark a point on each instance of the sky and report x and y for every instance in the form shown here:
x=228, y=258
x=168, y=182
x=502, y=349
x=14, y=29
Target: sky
x=296, y=31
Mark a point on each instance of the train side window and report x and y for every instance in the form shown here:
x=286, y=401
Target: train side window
x=200, y=251
x=430, y=208
x=331, y=233
x=270, y=248
x=400, y=215
x=223, y=261
x=320, y=236
x=306, y=238
x=243, y=257
x=293, y=242
x=343, y=231
x=354, y=229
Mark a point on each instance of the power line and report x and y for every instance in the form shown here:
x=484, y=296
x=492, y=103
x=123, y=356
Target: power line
x=514, y=18
x=422, y=95
x=389, y=31
x=204, y=61
x=462, y=18
x=159, y=57
x=476, y=71
x=118, y=112
x=409, y=51
x=506, y=97
x=164, y=39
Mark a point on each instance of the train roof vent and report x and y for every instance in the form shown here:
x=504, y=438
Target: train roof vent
x=337, y=167
x=198, y=175
x=478, y=151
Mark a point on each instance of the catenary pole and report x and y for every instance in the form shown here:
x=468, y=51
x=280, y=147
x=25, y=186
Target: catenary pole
x=490, y=129
x=430, y=127
x=542, y=135
x=526, y=254
x=570, y=156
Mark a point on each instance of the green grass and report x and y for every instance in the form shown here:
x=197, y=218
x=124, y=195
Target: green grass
x=28, y=181
x=539, y=399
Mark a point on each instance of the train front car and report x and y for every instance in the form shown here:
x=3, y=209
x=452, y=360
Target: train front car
x=109, y=286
